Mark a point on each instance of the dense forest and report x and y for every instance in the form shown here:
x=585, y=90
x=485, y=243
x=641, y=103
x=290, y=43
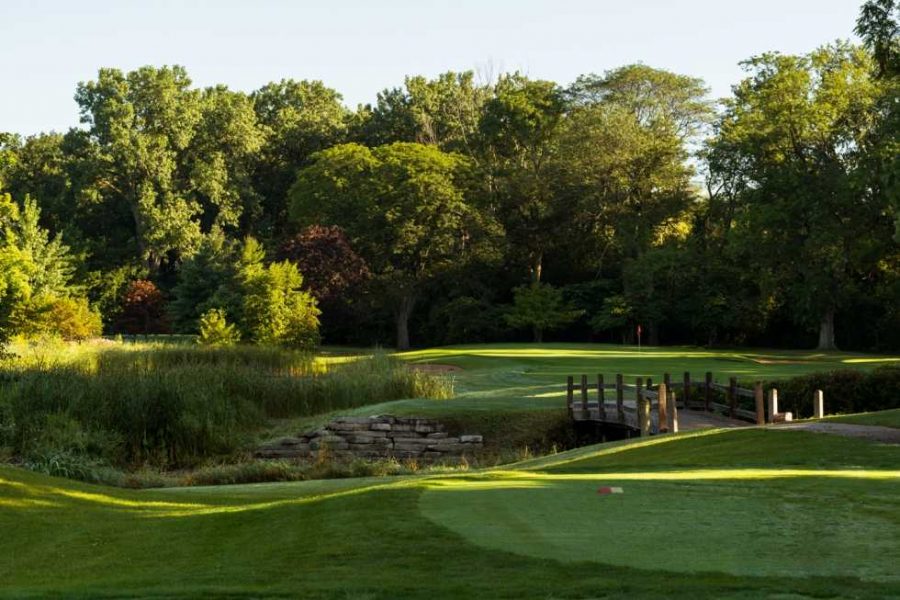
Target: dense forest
x=457, y=209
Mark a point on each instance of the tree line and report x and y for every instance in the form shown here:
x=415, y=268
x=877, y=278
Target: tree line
x=457, y=210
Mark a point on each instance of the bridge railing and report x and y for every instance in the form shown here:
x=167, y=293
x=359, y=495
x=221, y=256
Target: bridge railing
x=667, y=397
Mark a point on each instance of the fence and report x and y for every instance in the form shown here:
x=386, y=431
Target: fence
x=668, y=399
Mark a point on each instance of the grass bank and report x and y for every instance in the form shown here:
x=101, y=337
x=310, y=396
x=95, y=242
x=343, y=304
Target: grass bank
x=744, y=514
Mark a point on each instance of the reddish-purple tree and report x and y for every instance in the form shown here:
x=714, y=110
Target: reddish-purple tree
x=143, y=309
x=327, y=261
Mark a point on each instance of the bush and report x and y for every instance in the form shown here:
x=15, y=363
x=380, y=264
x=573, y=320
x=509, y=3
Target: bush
x=71, y=319
x=845, y=391
x=216, y=331
x=276, y=310
x=143, y=309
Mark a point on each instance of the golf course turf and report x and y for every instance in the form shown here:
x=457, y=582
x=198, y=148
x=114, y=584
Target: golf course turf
x=723, y=513
x=748, y=513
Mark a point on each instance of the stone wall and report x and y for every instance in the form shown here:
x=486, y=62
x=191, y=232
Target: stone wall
x=376, y=438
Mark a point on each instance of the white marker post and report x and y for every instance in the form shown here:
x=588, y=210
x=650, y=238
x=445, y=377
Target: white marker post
x=818, y=404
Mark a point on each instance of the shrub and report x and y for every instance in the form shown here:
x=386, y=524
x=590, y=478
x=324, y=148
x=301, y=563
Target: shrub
x=258, y=471
x=143, y=309
x=216, y=331
x=276, y=310
x=845, y=391
x=73, y=319
x=49, y=316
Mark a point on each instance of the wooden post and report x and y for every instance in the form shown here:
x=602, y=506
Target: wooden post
x=672, y=413
x=570, y=389
x=643, y=408
x=620, y=398
x=601, y=400
x=687, y=390
x=760, y=403
x=649, y=384
x=667, y=379
x=661, y=407
x=818, y=404
x=707, y=400
x=773, y=404
x=732, y=396
x=584, y=398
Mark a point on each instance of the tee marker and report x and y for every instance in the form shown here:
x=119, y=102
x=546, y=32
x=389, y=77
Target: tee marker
x=609, y=490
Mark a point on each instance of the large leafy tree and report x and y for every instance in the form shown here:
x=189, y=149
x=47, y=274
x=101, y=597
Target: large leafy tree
x=175, y=157
x=221, y=156
x=298, y=118
x=520, y=129
x=626, y=150
x=142, y=124
x=444, y=111
x=789, y=143
x=403, y=208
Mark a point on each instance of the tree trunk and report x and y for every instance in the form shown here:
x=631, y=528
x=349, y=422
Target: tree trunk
x=826, y=332
x=537, y=266
x=404, y=310
x=652, y=334
x=538, y=335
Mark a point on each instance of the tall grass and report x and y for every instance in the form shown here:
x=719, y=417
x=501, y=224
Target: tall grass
x=173, y=406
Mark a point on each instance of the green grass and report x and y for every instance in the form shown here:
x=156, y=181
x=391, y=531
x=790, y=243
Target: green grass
x=516, y=376
x=514, y=394
x=884, y=418
x=173, y=406
x=746, y=513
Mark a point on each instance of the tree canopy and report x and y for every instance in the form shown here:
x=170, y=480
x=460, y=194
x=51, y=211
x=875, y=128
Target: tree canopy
x=463, y=208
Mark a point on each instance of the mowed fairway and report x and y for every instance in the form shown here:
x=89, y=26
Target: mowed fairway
x=514, y=377
x=737, y=513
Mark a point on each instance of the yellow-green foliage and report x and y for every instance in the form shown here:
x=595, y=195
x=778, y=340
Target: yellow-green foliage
x=276, y=310
x=71, y=319
x=215, y=330
x=176, y=405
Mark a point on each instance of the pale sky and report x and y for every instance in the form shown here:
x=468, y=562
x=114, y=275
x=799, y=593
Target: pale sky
x=362, y=46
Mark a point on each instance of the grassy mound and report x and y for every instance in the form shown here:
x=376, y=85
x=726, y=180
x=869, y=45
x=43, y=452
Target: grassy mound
x=724, y=514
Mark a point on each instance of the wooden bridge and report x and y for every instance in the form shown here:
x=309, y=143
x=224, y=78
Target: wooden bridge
x=654, y=408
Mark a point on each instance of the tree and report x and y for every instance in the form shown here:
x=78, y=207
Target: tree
x=223, y=151
x=142, y=123
x=143, y=309
x=444, y=111
x=15, y=268
x=329, y=264
x=791, y=137
x=275, y=308
x=215, y=330
x=520, y=126
x=201, y=279
x=624, y=154
x=36, y=295
x=540, y=307
x=402, y=207
x=298, y=118
x=879, y=27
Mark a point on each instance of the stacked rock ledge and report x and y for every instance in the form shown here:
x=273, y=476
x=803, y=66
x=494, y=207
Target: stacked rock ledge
x=379, y=437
